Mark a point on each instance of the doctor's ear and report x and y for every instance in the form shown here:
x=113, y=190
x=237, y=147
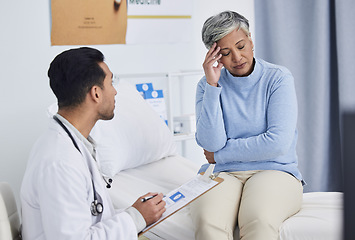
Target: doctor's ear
x=95, y=93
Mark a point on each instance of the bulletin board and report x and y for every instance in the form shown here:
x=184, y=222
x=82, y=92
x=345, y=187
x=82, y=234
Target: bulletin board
x=88, y=22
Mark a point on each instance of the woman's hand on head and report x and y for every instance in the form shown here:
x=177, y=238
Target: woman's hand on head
x=212, y=72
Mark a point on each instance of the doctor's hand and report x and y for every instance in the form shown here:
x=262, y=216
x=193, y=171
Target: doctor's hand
x=151, y=209
x=212, y=73
x=209, y=156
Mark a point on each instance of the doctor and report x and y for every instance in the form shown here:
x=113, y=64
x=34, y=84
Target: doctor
x=63, y=194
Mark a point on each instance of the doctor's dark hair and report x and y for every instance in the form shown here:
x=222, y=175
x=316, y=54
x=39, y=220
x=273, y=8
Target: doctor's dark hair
x=220, y=25
x=73, y=73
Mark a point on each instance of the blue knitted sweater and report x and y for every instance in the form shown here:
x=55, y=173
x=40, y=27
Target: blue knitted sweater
x=249, y=122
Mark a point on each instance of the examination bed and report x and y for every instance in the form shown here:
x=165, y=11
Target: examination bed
x=137, y=150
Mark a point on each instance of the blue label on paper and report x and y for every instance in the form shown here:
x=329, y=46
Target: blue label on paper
x=177, y=196
x=153, y=94
x=143, y=87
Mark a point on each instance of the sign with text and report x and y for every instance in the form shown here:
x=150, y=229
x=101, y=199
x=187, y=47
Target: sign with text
x=158, y=21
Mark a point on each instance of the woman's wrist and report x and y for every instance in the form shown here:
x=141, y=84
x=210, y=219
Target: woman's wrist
x=213, y=84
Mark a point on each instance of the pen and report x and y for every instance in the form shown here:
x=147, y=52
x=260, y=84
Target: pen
x=147, y=198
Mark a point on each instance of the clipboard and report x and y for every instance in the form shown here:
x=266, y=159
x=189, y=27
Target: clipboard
x=187, y=193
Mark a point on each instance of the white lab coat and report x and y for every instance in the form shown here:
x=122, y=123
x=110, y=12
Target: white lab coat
x=57, y=192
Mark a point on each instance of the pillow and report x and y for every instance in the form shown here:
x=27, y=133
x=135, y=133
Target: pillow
x=135, y=136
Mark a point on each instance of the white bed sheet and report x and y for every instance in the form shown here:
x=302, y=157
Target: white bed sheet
x=161, y=176
x=319, y=218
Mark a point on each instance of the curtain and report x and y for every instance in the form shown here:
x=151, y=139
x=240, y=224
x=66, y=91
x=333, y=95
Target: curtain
x=314, y=40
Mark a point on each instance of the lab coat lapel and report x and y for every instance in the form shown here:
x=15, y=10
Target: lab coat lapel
x=98, y=181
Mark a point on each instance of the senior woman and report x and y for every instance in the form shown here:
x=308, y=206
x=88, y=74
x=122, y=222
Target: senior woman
x=246, y=112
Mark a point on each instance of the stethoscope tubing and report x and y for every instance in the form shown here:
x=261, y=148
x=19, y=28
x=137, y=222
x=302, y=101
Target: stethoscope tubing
x=96, y=207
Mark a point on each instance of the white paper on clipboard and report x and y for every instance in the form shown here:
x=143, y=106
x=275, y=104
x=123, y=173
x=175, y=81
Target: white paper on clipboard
x=185, y=194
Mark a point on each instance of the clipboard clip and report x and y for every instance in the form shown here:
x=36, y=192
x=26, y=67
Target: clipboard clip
x=209, y=175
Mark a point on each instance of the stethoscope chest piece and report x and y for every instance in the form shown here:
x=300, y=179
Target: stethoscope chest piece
x=96, y=208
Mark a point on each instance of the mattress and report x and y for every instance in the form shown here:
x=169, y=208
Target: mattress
x=319, y=218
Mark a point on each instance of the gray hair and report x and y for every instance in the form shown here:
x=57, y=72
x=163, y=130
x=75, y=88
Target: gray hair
x=220, y=25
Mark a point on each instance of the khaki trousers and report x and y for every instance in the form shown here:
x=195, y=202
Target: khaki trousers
x=259, y=201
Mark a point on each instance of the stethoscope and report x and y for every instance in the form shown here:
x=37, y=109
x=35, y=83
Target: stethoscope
x=96, y=207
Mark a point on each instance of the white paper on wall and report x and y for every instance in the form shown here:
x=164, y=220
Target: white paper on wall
x=158, y=21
